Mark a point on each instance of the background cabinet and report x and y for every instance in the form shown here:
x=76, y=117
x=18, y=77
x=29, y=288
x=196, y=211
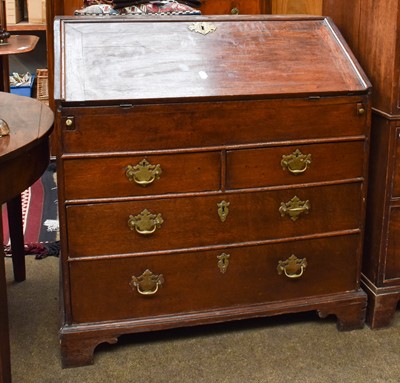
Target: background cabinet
x=233, y=7
x=371, y=29
x=311, y=7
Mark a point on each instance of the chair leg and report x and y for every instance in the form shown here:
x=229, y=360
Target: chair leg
x=14, y=211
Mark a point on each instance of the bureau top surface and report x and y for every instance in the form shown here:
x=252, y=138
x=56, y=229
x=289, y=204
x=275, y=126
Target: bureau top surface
x=150, y=59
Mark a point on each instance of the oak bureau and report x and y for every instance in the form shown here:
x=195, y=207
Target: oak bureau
x=210, y=168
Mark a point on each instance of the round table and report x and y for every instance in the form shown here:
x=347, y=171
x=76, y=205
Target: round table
x=24, y=156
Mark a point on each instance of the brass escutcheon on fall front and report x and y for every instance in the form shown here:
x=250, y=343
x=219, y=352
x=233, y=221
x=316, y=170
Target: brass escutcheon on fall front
x=294, y=208
x=202, y=27
x=144, y=173
x=145, y=223
x=296, y=163
x=148, y=283
x=292, y=267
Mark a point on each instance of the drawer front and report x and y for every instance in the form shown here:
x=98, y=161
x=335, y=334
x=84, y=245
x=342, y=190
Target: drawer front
x=294, y=165
x=170, y=126
x=141, y=175
x=173, y=223
x=103, y=290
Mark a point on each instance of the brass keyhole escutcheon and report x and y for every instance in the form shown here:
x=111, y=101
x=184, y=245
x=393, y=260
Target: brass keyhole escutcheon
x=202, y=27
x=223, y=210
x=223, y=262
x=292, y=267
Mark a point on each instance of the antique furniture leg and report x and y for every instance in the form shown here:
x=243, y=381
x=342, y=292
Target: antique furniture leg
x=350, y=315
x=382, y=304
x=5, y=368
x=14, y=207
x=15, y=224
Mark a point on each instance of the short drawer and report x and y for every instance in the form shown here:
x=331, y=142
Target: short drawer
x=116, y=289
x=174, y=126
x=173, y=223
x=295, y=164
x=141, y=175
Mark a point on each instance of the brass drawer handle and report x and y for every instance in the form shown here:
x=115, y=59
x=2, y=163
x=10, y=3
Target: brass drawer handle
x=294, y=208
x=145, y=223
x=235, y=11
x=148, y=283
x=296, y=163
x=292, y=267
x=144, y=173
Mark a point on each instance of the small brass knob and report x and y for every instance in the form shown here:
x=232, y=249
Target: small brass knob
x=69, y=122
x=235, y=11
x=360, y=108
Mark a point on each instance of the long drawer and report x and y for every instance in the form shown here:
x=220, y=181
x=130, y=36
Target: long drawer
x=147, y=286
x=172, y=126
x=173, y=223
